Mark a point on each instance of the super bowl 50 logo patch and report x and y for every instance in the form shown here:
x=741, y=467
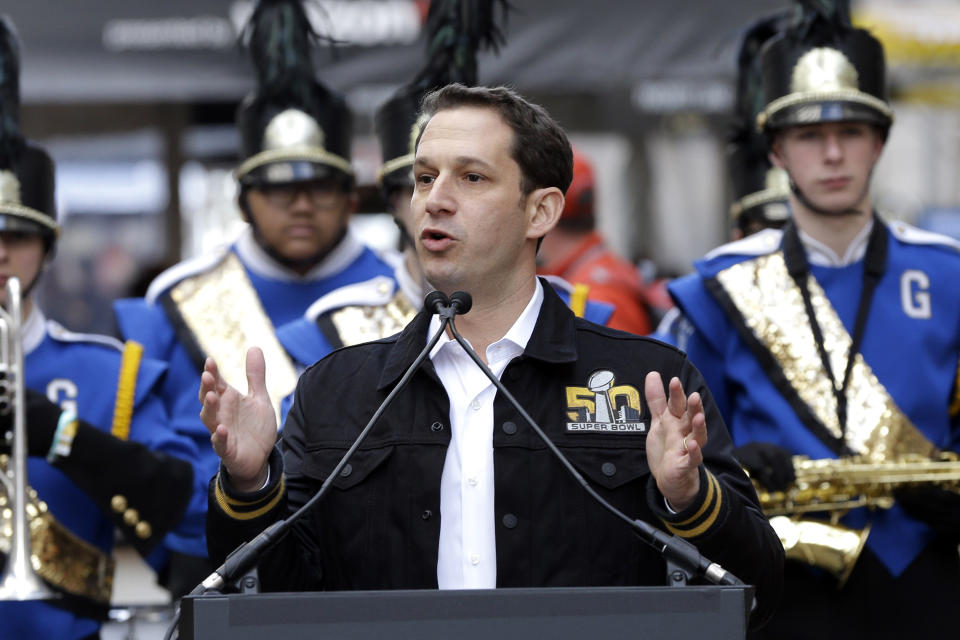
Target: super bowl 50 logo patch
x=604, y=407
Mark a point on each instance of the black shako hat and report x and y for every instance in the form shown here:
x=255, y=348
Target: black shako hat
x=26, y=171
x=292, y=127
x=822, y=69
x=761, y=191
x=455, y=31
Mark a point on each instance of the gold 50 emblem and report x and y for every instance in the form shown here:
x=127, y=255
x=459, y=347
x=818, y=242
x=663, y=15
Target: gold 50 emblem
x=603, y=407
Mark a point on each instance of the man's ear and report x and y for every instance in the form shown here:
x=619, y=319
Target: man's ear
x=544, y=207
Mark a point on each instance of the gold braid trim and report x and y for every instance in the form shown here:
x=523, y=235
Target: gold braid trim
x=814, y=97
x=578, y=299
x=226, y=503
x=401, y=162
x=126, y=389
x=317, y=155
x=714, y=499
x=23, y=211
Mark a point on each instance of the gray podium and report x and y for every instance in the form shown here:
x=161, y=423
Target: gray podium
x=638, y=613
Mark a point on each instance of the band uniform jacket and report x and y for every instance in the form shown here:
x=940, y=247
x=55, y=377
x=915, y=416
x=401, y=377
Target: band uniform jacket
x=379, y=527
x=141, y=492
x=910, y=347
x=275, y=296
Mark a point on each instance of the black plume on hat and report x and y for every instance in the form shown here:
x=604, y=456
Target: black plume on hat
x=822, y=69
x=760, y=193
x=456, y=30
x=26, y=170
x=292, y=127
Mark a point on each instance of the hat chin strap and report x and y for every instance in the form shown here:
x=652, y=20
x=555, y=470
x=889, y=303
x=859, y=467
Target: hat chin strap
x=806, y=202
x=290, y=263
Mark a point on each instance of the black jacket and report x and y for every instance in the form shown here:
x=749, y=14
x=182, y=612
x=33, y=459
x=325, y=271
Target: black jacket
x=379, y=527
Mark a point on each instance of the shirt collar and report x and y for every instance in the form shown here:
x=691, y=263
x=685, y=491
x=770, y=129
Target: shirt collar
x=553, y=339
x=34, y=329
x=258, y=261
x=823, y=256
x=518, y=334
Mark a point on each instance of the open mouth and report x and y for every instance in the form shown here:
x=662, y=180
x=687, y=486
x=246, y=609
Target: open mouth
x=435, y=240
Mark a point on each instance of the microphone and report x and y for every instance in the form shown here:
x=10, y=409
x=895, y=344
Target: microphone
x=436, y=301
x=679, y=554
x=245, y=557
x=461, y=302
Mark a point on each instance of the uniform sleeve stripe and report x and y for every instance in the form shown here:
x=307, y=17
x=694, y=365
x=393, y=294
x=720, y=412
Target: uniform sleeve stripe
x=711, y=488
x=227, y=504
x=578, y=299
x=955, y=404
x=126, y=389
x=715, y=501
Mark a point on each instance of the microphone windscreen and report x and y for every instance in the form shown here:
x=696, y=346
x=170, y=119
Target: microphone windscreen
x=462, y=301
x=435, y=301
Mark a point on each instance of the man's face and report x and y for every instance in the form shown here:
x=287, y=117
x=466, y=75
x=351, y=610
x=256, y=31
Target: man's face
x=471, y=224
x=21, y=256
x=301, y=220
x=830, y=162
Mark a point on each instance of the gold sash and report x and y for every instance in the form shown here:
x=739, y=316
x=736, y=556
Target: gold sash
x=223, y=312
x=772, y=307
x=365, y=323
x=61, y=558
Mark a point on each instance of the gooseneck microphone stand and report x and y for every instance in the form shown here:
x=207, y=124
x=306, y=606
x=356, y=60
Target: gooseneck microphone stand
x=683, y=559
x=242, y=559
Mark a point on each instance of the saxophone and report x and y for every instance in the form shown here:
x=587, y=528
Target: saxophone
x=832, y=487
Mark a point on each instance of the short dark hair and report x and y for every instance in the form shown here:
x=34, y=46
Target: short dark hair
x=540, y=145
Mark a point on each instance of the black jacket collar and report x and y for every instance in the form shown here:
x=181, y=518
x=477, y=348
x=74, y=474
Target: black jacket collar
x=553, y=338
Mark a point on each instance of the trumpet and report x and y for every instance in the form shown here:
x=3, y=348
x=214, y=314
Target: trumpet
x=19, y=579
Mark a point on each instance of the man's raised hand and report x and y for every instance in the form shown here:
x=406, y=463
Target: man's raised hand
x=678, y=432
x=243, y=428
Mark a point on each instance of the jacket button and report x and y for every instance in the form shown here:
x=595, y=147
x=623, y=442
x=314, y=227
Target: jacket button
x=509, y=428
x=509, y=521
x=347, y=470
x=131, y=517
x=427, y=514
x=143, y=530
x=118, y=503
x=436, y=427
x=609, y=469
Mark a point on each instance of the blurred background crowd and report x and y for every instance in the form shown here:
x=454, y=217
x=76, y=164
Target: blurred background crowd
x=136, y=103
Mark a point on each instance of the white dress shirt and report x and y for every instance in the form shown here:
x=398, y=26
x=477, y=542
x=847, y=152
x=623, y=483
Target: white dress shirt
x=468, y=550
